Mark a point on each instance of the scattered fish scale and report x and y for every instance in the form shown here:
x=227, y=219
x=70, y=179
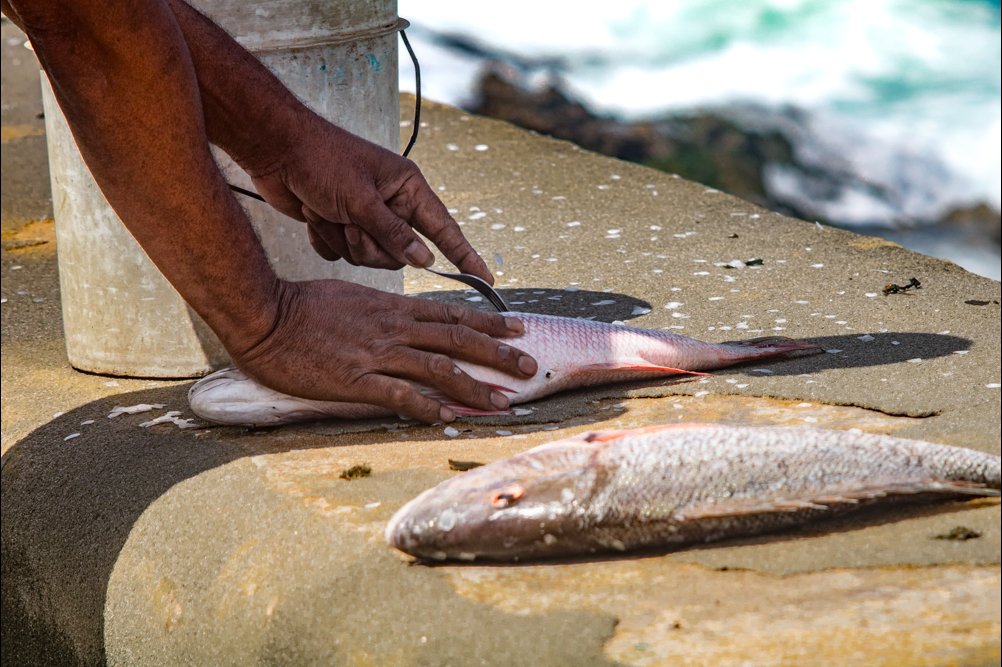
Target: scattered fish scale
x=674, y=485
x=570, y=352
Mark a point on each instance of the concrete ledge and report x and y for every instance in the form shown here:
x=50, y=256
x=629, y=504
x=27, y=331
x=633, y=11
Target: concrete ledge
x=132, y=545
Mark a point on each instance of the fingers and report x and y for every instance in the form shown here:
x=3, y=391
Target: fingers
x=492, y=324
x=395, y=236
x=404, y=398
x=469, y=345
x=321, y=247
x=385, y=195
x=334, y=241
x=470, y=335
x=367, y=251
x=430, y=217
x=279, y=197
x=441, y=373
x=424, y=345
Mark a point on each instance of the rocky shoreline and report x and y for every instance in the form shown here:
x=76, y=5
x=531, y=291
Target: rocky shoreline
x=734, y=149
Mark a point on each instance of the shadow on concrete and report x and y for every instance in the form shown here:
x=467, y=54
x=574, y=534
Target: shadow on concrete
x=599, y=306
x=69, y=503
x=881, y=349
x=68, y=508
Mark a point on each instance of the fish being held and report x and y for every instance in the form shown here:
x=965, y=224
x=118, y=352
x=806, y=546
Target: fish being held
x=673, y=485
x=570, y=352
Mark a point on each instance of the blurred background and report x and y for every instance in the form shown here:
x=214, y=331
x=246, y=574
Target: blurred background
x=880, y=116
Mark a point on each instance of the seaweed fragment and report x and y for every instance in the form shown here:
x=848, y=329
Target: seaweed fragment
x=461, y=466
x=894, y=288
x=356, y=472
x=959, y=534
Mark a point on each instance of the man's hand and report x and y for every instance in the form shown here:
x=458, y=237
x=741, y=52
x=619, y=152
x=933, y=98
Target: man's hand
x=338, y=341
x=362, y=202
x=160, y=83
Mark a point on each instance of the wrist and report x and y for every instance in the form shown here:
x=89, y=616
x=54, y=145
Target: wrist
x=246, y=324
x=264, y=141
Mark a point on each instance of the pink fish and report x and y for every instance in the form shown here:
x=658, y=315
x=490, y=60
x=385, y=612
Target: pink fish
x=663, y=486
x=570, y=352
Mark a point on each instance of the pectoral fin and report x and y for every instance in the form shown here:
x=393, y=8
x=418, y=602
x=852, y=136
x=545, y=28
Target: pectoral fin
x=638, y=366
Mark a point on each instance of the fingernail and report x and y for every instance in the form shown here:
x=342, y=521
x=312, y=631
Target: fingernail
x=499, y=400
x=352, y=234
x=514, y=325
x=527, y=365
x=418, y=255
x=446, y=415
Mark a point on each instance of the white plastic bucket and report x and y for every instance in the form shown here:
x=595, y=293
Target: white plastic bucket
x=120, y=316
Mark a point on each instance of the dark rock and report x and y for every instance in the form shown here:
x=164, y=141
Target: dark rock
x=980, y=220
x=703, y=147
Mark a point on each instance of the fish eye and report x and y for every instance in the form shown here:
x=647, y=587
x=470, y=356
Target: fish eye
x=507, y=496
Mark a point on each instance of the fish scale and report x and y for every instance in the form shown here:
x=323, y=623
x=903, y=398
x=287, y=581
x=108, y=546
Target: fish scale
x=570, y=352
x=673, y=485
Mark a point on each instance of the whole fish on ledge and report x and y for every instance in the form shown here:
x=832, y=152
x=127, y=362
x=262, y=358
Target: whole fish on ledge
x=662, y=486
x=570, y=352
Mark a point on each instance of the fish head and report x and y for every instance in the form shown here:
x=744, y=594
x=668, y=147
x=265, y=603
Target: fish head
x=522, y=505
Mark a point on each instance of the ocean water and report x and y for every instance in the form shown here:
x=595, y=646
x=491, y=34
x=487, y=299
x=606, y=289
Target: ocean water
x=904, y=94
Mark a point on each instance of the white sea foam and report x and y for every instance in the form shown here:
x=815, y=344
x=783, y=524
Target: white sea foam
x=905, y=94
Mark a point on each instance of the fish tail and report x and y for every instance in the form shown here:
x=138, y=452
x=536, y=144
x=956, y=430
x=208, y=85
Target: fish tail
x=769, y=346
x=969, y=489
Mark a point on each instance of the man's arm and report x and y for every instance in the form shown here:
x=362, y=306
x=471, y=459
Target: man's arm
x=365, y=214
x=124, y=80
x=123, y=76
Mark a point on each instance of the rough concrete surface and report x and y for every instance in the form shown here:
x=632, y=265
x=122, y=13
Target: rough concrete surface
x=155, y=545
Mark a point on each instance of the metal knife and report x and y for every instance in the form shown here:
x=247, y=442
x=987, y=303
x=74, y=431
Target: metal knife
x=478, y=284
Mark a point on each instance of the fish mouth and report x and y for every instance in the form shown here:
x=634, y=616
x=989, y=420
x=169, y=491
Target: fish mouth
x=426, y=529
x=462, y=532
x=401, y=526
x=434, y=537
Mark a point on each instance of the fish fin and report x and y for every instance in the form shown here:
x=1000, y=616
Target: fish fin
x=778, y=345
x=966, y=488
x=849, y=497
x=639, y=366
x=609, y=435
x=944, y=486
x=724, y=510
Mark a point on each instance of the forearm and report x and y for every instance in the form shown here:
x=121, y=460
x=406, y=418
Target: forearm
x=248, y=111
x=123, y=77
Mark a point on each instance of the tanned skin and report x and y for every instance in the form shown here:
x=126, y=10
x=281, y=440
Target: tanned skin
x=146, y=86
